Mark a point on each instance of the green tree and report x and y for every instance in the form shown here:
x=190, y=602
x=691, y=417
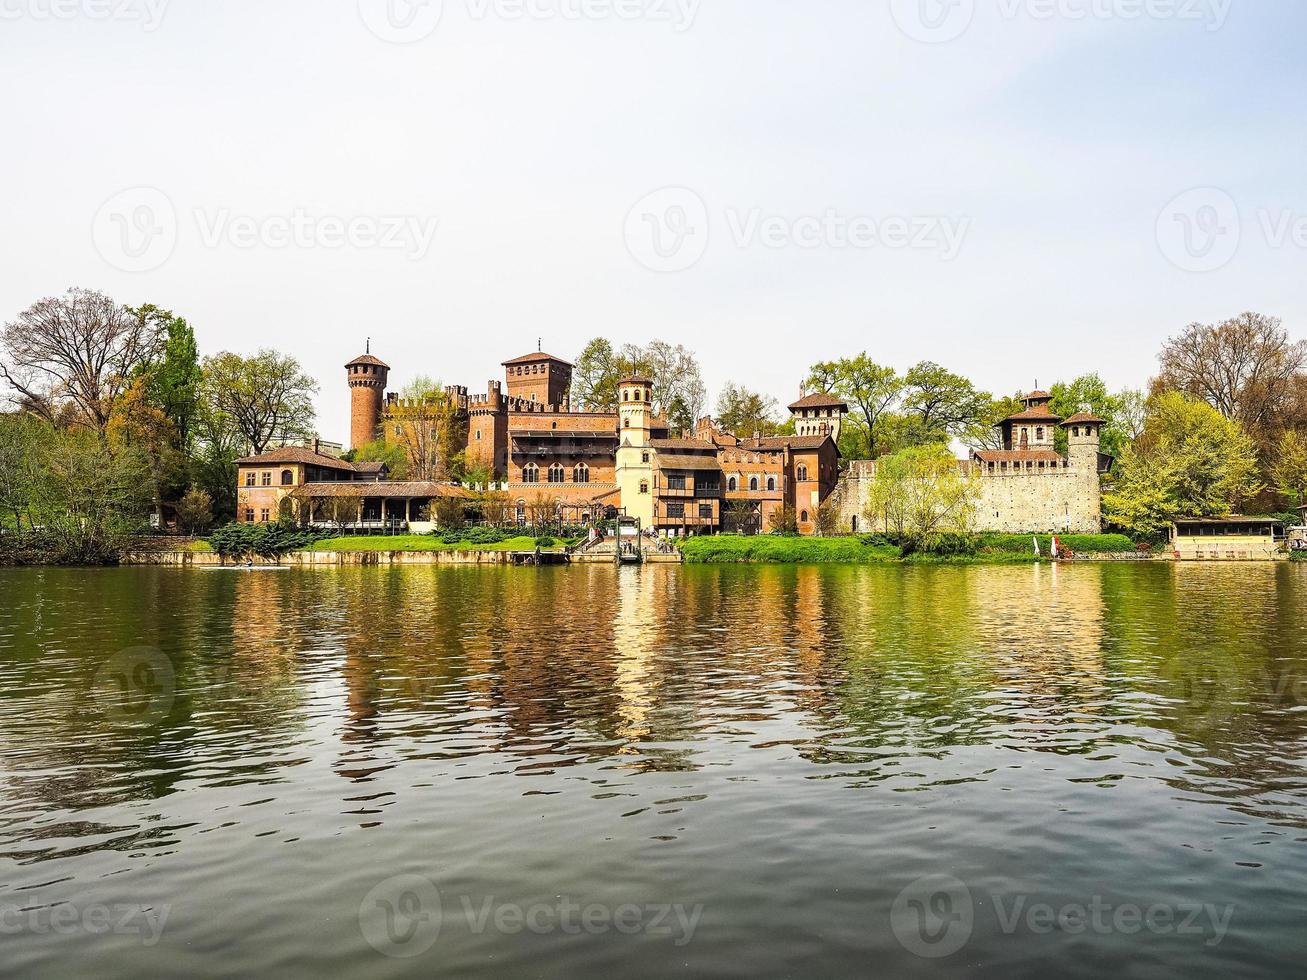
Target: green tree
x=393, y=454
x=941, y=405
x=743, y=412
x=870, y=389
x=595, y=377
x=195, y=511
x=921, y=494
x=1088, y=393
x=173, y=377
x=265, y=397
x=1189, y=461
x=21, y=437
x=1289, y=470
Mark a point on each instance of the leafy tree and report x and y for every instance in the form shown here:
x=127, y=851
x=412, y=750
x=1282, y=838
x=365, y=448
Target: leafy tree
x=870, y=389
x=173, y=377
x=21, y=438
x=921, y=494
x=985, y=433
x=394, y=455
x=827, y=518
x=70, y=357
x=195, y=511
x=428, y=429
x=264, y=397
x=940, y=404
x=1289, y=471
x=595, y=377
x=1190, y=461
x=743, y=412
x=1088, y=393
x=677, y=382
x=139, y=425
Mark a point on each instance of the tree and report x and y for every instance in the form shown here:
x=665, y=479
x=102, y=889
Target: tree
x=265, y=397
x=743, y=412
x=90, y=498
x=870, y=389
x=827, y=518
x=216, y=447
x=450, y=513
x=138, y=424
x=741, y=516
x=985, y=433
x=80, y=351
x=674, y=371
x=21, y=436
x=783, y=520
x=940, y=404
x=1088, y=393
x=195, y=511
x=1190, y=461
x=1245, y=367
x=394, y=455
x=173, y=383
x=595, y=377
x=427, y=426
x=920, y=494
x=1289, y=471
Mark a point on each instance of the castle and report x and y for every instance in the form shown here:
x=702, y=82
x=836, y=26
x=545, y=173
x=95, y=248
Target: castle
x=584, y=464
x=1027, y=486
x=550, y=458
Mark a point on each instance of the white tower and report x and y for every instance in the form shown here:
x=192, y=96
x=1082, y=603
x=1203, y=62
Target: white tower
x=634, y=455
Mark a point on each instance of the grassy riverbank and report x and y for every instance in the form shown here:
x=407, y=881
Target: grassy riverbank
x=990, y=549
x=423, y=542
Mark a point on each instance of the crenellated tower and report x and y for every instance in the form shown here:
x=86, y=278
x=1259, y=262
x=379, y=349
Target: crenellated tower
x=634, y=455
x=367, y=377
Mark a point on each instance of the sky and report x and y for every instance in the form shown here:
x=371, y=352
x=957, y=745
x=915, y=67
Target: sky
x=1021, y=190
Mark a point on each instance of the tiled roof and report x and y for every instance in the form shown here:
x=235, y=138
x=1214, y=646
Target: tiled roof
x=686, y=461
x=771, y=443
x=1034, y=415
x=298, y=454
x=385, y=488
x=1081, y=417
x=536, y=357
x=1039, y=396
x=635, y=379
x=683, y=444
x=820, y=399
x=368, y=359
x=1019, y=456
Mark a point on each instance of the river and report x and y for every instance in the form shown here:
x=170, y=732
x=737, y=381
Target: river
x=712, y=771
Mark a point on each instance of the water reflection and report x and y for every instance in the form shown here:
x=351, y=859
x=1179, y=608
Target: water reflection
x=664, y=705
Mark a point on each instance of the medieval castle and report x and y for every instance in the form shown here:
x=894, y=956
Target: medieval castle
x=583, y=465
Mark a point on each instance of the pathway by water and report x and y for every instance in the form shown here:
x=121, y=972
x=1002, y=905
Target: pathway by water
x=592, y=771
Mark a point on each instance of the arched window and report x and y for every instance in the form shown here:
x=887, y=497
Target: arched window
x=530, y=473
x=581, y=474
x=556, y=473
x=626, y=396
x=801, y=474
x=521, y=511
x=855, y=523
x=771, y=483
x=753, y=483
x=732, y=484
x=287, y=478
x=803, y=516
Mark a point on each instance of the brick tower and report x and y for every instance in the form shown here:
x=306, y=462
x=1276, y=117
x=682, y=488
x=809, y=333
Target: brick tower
x=367, y=383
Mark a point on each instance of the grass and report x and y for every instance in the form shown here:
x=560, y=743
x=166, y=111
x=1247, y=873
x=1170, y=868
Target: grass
x=992, y=549
x=421, y=542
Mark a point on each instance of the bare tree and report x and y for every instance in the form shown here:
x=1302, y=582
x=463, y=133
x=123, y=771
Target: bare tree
x=80, y=349
x=1246, y=367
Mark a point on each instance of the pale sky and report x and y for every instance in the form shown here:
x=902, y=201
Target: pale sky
x=992, y=184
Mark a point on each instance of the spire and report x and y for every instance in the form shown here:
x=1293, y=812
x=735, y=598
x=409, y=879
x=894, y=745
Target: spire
x=367, y=347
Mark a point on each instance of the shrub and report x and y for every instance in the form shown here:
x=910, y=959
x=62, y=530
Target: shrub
x=262, y=540
x=545, y=541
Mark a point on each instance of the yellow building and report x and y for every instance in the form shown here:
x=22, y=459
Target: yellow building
x=1227, y=539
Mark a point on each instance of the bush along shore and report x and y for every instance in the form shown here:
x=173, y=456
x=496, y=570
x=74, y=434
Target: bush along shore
x=874, y=549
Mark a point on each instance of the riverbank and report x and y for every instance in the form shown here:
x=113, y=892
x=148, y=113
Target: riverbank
x=990, y=549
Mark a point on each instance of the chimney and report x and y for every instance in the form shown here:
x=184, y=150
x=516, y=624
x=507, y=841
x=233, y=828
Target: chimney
x=316, y=443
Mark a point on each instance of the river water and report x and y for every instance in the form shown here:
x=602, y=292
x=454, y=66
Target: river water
x=708, y=771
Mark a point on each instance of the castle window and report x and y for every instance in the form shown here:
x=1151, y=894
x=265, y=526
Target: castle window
x=249, y=515
x=556, y=473
x=267, y=478
x=753, y=483
x=249, y=478
x=263, y=515
x=803, y=516
x=676, y=510
x=771, y=483
x=644, y=486
x=530, y=473
x=581, y=474
x=287, y=478
x=478, y=435
x=644, y=457
x=1039, y=434
x=801, y=474
x=676, y=482
x=732, y=484
x=521, y=512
